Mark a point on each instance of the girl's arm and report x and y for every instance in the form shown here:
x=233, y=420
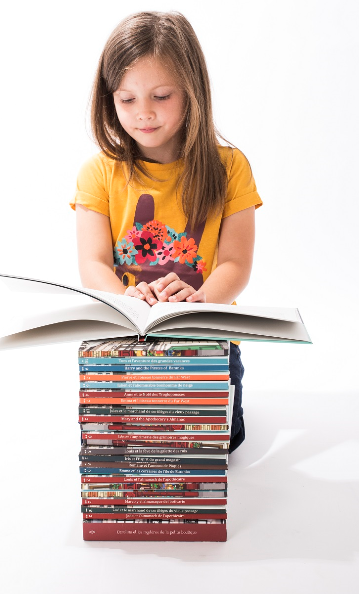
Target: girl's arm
x=234, y=264
x=95, y=255
x=235, y=258
x=95, y=252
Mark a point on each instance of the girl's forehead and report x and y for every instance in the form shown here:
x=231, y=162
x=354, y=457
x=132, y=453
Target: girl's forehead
x=149, y=69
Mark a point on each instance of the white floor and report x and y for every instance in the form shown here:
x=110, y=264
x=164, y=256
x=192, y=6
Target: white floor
x=293, y=497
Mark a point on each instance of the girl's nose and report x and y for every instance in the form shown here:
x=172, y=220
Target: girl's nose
x=145, y=112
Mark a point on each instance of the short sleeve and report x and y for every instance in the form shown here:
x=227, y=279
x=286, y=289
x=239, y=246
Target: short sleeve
x=93, y=183
x=241, y=192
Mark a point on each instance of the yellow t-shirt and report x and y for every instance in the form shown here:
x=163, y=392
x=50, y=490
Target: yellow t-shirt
x=149, y=232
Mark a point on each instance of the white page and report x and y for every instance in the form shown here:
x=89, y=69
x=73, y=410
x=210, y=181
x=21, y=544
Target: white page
x=227, y=326
x=162, y=311
x=133, y=309
x=40, y=311
x=74, y=331
x=136, y=309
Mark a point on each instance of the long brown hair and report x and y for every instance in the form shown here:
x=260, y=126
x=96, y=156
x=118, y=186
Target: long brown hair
x=169, y=37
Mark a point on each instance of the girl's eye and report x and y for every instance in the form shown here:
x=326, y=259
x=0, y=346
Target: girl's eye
x=127, y=100
x=163, y=98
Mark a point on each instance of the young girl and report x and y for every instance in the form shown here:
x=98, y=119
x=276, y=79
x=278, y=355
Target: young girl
x=163, y=202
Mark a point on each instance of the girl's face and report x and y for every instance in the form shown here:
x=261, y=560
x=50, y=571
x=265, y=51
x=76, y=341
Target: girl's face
x=150, y=107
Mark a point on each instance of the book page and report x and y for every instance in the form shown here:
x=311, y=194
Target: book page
x=163, y=311
x=135, y=309
x=231, y=327
x=20, y=313
x=131, y=308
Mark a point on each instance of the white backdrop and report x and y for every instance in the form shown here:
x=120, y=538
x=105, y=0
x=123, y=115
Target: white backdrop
x=285, y=91
x=285, y=88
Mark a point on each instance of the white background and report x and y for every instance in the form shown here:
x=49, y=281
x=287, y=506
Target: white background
x=285, y=88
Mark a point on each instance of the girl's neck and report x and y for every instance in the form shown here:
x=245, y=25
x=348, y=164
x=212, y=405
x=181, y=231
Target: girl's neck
x=162, y=154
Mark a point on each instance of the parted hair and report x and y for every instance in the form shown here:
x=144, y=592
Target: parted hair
x=169, y=37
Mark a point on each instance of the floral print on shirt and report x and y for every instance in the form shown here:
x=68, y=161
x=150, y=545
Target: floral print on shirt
x=157, y=243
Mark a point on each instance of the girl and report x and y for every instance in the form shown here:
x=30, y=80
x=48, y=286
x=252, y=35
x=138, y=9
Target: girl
x=163, y=202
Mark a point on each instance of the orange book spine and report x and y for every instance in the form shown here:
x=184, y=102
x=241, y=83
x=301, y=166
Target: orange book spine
x=201, y=401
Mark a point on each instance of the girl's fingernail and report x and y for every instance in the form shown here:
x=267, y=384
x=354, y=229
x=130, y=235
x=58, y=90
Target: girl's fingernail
x=152, y=300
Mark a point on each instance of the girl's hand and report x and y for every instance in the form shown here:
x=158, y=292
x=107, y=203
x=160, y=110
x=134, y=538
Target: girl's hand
x=141, y=291
x=171, y=288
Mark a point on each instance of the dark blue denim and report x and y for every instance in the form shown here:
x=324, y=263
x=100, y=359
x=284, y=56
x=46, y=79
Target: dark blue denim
x=236, y=371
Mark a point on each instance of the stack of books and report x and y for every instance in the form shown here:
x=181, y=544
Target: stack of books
x=155, y=419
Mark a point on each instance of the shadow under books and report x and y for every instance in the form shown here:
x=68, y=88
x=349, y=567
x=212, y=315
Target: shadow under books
x=275, y=511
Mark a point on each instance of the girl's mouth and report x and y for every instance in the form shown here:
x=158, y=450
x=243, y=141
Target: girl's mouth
x=147, y=130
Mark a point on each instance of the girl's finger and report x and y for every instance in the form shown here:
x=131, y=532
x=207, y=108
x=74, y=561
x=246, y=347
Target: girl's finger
x=198, y=296
x=134, y=292
x=181, y=295
x=162, y=283
x=146, y=291
x=173, y=288
x=130, y=291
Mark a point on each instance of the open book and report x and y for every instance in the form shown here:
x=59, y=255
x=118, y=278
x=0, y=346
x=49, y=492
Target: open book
x=41, y=312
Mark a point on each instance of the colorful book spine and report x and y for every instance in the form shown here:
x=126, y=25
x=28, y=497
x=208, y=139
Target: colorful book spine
x=155, y=428
x=153, y=385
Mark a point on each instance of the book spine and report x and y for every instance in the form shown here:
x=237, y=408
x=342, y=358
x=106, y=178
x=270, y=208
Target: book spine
x=154, y=501
x=150, y=419
x=139, y=361
x=158, y=449
x=175, y=509
x=131, y=393
x=150, y=464
x=170, y=532
x=136, y=385
x=92, y=399
x=179, y=444
x=152, y=459
x=154, y=516
x=155, y=369
x=151, y=427
x=221, y=437
x=150, y=479
x=108, y=376
x=148, y=351
x=151, y=471
x=131, y=412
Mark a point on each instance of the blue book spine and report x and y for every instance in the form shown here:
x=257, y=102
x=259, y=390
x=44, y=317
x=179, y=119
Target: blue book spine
x=155, y=385
x=192, y=361
x=152, y=471
x=154, y=368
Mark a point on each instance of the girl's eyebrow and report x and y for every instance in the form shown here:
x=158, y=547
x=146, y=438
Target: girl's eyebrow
x=153, y=88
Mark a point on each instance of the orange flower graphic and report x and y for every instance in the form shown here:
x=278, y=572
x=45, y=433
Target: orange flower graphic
x=185, y=249
x=157, y=229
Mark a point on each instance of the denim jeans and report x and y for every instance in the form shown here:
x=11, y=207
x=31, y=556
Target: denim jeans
x=236, y=371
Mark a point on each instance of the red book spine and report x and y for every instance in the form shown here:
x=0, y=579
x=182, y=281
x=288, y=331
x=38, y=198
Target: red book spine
x=170, y=532
x=146, y=501
x=138, y=419
x=156, y=436
x=154, y=516
x=154, y=479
